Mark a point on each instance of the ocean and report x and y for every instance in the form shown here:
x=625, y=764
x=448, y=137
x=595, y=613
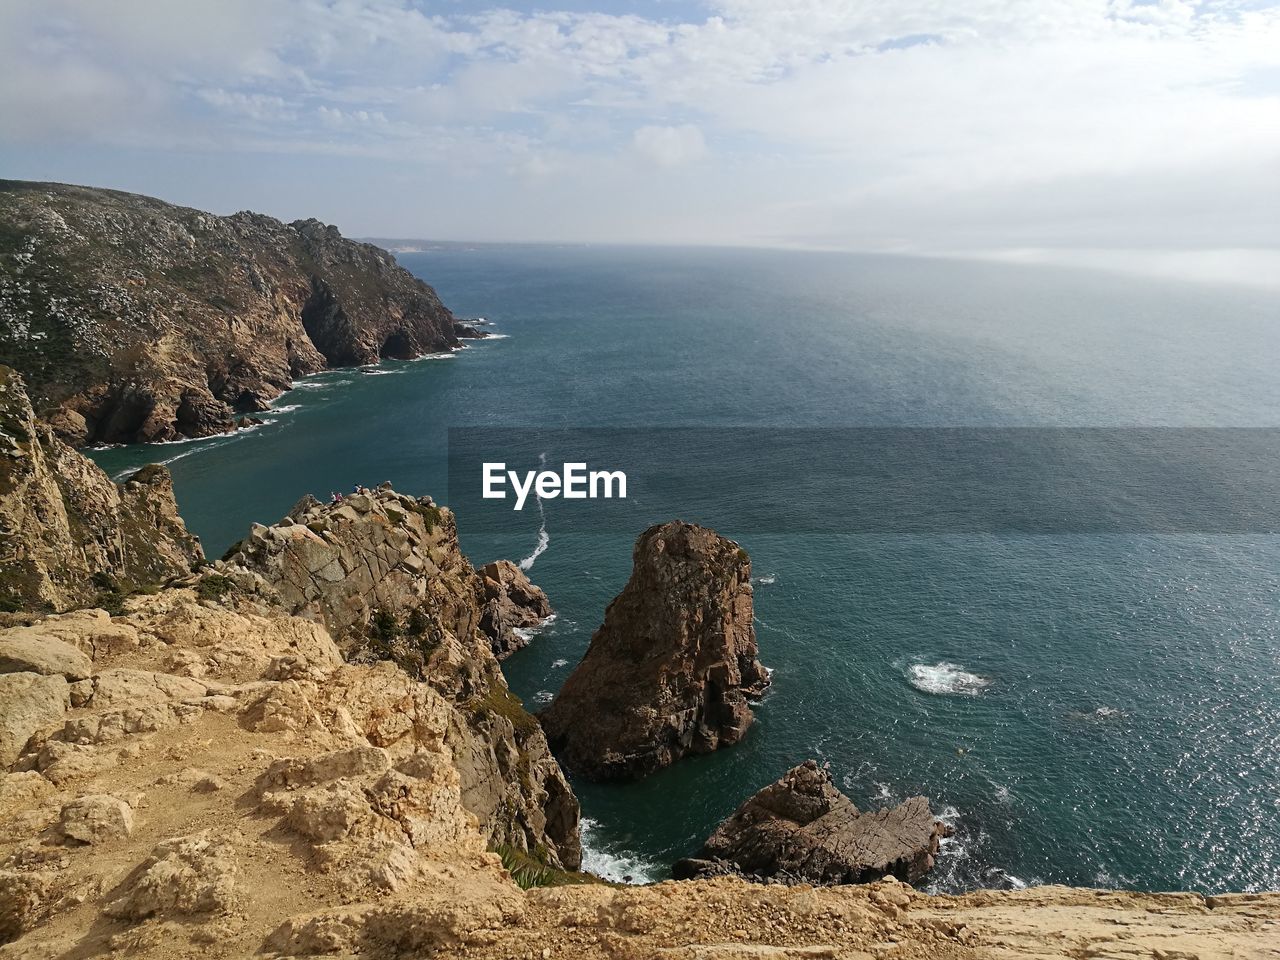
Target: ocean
x=1099, y=708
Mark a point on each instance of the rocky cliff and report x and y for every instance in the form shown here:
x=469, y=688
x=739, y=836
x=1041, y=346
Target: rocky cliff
x=191, y=780
x=801, y=829
x=385, y=575
x=204, y=774
x=136, y=320
x=671, y=669
x=68, y=535
x=512, y=607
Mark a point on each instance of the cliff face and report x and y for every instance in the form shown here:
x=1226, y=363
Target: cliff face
x=68, y=534
x=136, y=320
x=384, y=573
x=671, y=669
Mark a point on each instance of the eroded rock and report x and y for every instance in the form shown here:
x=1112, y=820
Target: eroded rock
x=96, y=818
x=801, y=829
x=183, y=876
x=672, y=668
x=29, y=703
x=511, y=604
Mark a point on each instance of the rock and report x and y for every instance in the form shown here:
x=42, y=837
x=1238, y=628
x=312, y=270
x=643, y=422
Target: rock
x=671, y=669
x=68, y=535
x=183, y=876
x=801, y=829
x=177, y=322
x=96, y=818
x=25, y=899
x=29, y=703
x=510, y=605
x=27, y=650
x=386, y=576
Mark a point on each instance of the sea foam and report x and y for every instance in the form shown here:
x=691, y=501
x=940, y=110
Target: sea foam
x=946, y=678
x=611, y=861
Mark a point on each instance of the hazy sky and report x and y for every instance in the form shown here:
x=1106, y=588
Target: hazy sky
x=915, y=125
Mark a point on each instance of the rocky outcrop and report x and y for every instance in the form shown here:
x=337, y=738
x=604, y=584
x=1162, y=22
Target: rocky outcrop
x=136, y=320
x=68, y=534
x=801, y=829
x=673, y=666
x=204, y=775
x=385, y=575
x=511, y=605
x=268, y=799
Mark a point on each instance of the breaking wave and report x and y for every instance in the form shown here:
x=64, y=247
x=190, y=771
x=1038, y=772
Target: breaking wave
x=946, y=678
x=612, y=861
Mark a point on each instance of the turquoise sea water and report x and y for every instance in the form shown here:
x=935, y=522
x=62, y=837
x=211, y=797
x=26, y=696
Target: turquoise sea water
x=1087, y=709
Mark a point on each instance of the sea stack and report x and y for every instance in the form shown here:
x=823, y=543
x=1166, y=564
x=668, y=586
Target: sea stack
x=671, y=669
x=801, y=829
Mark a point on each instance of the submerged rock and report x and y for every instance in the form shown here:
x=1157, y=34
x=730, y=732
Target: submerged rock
x=511, y=605
x=672, y=667
x=801, y=829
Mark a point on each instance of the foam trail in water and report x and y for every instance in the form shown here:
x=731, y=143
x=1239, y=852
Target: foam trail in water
x=610, y=861
x=544, y=538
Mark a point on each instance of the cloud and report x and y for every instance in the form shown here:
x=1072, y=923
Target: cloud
x=669, y=146
x=921, y=125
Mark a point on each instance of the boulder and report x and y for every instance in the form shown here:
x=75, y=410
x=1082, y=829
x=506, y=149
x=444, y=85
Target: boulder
x=96, y=818
x=29, y=702
x=510, y=605
x=28, y=650
x=801, y=829
x=673, y=667
x=183, y=876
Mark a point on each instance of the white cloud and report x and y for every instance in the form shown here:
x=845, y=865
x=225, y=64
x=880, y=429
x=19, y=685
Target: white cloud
x=669, y=146
x=922, y=124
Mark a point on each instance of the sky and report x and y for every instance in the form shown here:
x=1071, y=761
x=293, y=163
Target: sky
x=1028, y=129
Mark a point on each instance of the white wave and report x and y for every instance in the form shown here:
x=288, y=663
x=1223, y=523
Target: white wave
x=544, y=538
x=767, y=580
x=434, y=356
x=528, y=633
x=496, y=336
x=380, y=373
x=543, y=696
x=557, y=664
x=946, y=678
x=1003, y=794
x=612, y=862
x=287, y=408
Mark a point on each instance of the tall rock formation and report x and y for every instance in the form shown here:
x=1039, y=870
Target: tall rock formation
x=68, y=535
x=672, y=667
x=136, y=320
x=385, y=575
x=801, y=829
